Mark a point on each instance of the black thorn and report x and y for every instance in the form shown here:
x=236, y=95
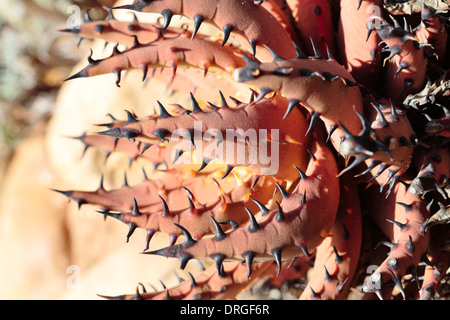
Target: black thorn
x=410, y=245
x=248, y=257
x=144, y=72
x=305, y=250
x=161, y=134
x=79, y=41
x=330, y=132
x=369, y=168
x=253, y=46
x=213, y=106
x=329, y=55
x=75, y=30
x=99, y=28
x=110, y=13
x=282, y=71
x=328, y=276
x=68, y=194
x=192, y=207
x=162, y=284
x=275, y=56
x=401, y=66
x=303, y=201
x=382, y=122
x=125, y=180
x=219, y=258
x=145, y=148
x=317, y=54
x=263, y=208
x=87, y=17
x=177, y=155
x=387, y=244
x=350, y=83
x=407, y=207
x=391, y=185
x=148, y=238
x=138, y=295
x=382, y=168
x=313, y=293
x=204, y=164
x=263, y=92
x=292, y=104
x=283, y=192
x=143, y=287
x=346, y=235
x=255, y=181
x=280, y=215
x=398, y=284
x=330, y=76
x=338, y=258
x=116, y=50
x=189, y=241
x=431, y=264
x=223, y=101
x=132, y=227
x=232, y=223
x=359, y=4
x=340, y=287
x=198, y=19
x=165, y=212
x=184, y=259
x=189, y=193
x=366, y=129
x=106, y=213
x=307, y=73
x=220, y=234
x=406, y=84
x=130, y=117
x=102, y=180
x=195, y=105
x=252, y=64
x=162, y=111
x=314, y=117
x=303, y=176
x=226, y=33
x=118, y=74
x=300, y=54
x=254, y=226
x=193, y=282
x=236, y=101
x=227, y=171
x=167, y=15
x=277, y=255
x=130, y=134
x=135, y=212
x=402, y=226
x=172, y=239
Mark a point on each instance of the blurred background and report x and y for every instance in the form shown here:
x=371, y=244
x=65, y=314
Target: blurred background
x=50, y=249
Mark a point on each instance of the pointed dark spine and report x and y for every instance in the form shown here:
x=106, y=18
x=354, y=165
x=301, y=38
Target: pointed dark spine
x=254, y=226
x=220, y=234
